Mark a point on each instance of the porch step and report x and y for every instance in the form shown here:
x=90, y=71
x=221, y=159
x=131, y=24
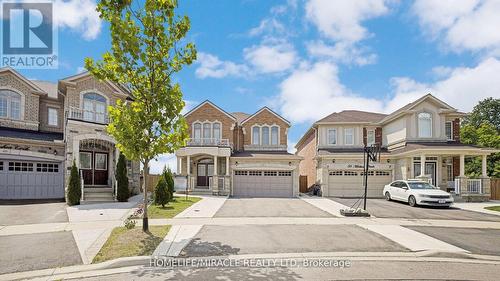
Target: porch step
x=98, y=194
x=98, y=189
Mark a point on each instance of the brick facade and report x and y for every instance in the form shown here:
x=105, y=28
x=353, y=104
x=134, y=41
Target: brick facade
x=456, y=129
x=208, y=112
x=45, y=104
x=265, y=117
x=378, y=135
x=307, y=149
x=456, y=166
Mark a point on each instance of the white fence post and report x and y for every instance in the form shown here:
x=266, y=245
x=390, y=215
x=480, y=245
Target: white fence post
x=82, y=197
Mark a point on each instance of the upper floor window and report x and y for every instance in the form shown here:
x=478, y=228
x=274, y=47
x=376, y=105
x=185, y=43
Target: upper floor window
x=256, y=135
x=94, y=107
x=349, y=136
x=10, y=104
x=370, y=137
x=216, y=130
x=197, y=131
x=207, y=127
x=265, y=135
x=52, y=116
x=449, y=130
x=207, y=130
x=332, y=136
x=424, y=125
x=274, y=135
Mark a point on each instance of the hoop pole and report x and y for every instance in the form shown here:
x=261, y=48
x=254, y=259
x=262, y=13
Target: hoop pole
x=367, y=162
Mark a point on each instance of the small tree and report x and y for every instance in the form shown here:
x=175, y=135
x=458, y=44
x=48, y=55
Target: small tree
x=161, y=196
x=74, y=187
x=123, y=192
x=169, y=178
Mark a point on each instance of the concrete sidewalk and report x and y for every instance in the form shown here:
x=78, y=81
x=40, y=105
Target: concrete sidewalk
x=177, y=238
x=205, y=208
x=479, y=206
x=325, y=204
x=103, y=211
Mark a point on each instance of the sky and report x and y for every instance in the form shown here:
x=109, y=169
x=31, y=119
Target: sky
x=306, y=59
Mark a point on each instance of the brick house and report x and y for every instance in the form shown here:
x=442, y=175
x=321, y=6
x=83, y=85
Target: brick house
x=238, y=154
x=420, y=140
x=46, y=126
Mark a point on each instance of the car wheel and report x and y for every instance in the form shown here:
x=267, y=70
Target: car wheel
x=412, y=201
x=387, y=196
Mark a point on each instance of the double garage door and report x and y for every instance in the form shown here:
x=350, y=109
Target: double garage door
x=348, y=183
x=262, y=184
x=31, y=180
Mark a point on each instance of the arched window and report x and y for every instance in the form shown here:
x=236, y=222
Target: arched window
x=424, y=125
x=94, y=107
x=265, y=135
x=216, y=131
x=274, y=135
x=197, y=131
x=10, y=104
x=206, y=131
x=256, y=135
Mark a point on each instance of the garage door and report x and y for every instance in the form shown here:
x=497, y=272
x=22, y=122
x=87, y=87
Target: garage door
x=344, y=183
x=31, y=180
x=262, y=184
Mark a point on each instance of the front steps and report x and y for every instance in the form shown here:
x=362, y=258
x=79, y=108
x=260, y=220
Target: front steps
x=98, y=194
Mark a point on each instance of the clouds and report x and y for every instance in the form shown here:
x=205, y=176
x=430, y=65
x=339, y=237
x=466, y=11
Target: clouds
x=164, y=160
x=467, y=25
x=79, y=16
x=211, y=66
x=268, y=58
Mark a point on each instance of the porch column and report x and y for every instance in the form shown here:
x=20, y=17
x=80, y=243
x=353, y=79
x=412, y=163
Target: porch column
x=179, y=165
x=484, y=166
x=215, y=178
x=188, y=165
x=422, y=165
x=227, y=165
x=462, y=165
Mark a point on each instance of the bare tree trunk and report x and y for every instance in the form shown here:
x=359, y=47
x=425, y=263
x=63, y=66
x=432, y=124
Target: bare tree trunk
x=145, y=173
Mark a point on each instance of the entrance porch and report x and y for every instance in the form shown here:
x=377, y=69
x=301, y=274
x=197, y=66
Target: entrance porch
x=205, y=174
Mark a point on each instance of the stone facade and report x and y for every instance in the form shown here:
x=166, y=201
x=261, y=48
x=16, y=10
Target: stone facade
x=57, y=104
x=265, y=117
x=208, y=112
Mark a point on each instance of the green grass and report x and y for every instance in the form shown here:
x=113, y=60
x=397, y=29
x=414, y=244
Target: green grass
x=179, y=204
x=493, y=208
x=125, y=242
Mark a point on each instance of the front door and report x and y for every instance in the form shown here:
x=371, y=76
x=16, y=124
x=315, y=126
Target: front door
x=94, y=167
x=430, y=169
x=205, y=172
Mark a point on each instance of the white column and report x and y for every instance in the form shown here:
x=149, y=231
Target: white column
x=462, y=165
x=188, y=163
x=422, y=165
x=484, y=165
x=215, y=165
x=179, y=165
x=227, y=165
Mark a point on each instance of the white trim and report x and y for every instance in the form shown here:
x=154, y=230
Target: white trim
x=80, y=164
x=212, y=104
x=22, y=106
x=367, y=133
x=93, y=91
x=269, y=110
x=451, y=132
x=22, y=78
x=270, y=126
x=345, y=136
x=106, y=162
x=202, y=129
x=328, y=136
x=418, y=124
x=57, y=116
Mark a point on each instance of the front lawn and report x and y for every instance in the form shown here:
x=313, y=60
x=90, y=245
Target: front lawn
x=125, y=242
x=179, y=204
x=493, y=208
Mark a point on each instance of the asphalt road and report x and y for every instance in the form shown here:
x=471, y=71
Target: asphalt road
x=24, y=213
x=394, y=209
x=214, y=240
x=269, y=207
x=359, y=270
x=38, y=251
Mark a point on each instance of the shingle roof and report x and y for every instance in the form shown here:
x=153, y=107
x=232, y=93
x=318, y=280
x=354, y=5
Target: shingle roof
x=353, y=116
x=265, y=154
x=240, y=116
x=48, y=87
x=27, y=134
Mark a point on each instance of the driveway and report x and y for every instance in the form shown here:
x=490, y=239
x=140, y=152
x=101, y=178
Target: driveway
x=477, y=241
x=395, y=209
x=215, y=240
x=25, y=213
x=269, y=207
x=38, y=251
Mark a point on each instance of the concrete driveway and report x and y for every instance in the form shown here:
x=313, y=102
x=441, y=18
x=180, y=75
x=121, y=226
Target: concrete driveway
x=269, y=207
x=395, y=209
x=25, y=213
x=38, y=251
x=477, y=241
x=215, y=240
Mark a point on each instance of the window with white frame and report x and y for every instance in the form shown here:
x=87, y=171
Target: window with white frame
x=274, y=135
x=332, y=136
x=10, y=104
x=207, y=128
x=449, y=172
x=349, y=136
x=256, y=135
x=370, y=137
x=216, y=130
x=449, y=130
x=52, y=116
x=424, y=125
x=94, y=107
x=197, y=131
x=265, y=135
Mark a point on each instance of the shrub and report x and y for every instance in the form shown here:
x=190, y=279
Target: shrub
x=169, y=178
x=130, y=222
x=161, y=195
x=74, y=193
x=123, y=192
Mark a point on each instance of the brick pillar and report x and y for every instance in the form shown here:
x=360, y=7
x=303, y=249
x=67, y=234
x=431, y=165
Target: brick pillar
x=378, y=136
x=364, y=136
x=456, y=129
x=486, y=184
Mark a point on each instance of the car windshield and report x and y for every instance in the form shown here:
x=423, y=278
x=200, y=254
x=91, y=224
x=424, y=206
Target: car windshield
x=420, y=185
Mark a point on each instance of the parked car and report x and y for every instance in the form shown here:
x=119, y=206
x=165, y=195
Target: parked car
x=417, y=192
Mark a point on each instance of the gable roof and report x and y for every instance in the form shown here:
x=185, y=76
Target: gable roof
x=49, y=87
x=33, y=86
x=119, y=89
x=269, y=110
x=212, y=104
x=352, y=116
x=240, y=116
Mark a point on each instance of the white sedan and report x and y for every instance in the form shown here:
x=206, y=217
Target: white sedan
x=417, y=192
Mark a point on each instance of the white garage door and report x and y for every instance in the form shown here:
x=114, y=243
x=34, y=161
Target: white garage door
x=31, y=180
x=262, y=184
x=342, y=183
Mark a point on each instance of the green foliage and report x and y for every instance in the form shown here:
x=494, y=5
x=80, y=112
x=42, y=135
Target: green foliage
x=74, y=187
x=161, y=195
x=169, y=179
x=123, y=192
x=484, y=135
x=487, y=110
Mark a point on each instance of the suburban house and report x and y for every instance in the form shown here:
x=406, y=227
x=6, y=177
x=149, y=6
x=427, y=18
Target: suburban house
x=238, y=154
x=420, y=140
x=46, y=126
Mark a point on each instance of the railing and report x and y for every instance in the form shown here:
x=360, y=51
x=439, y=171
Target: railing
x=208, y=142
x=87, y=115
x=82, y=196
x=472, y=186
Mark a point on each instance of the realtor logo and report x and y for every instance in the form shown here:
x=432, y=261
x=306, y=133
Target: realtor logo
x=29, y=35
